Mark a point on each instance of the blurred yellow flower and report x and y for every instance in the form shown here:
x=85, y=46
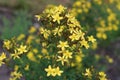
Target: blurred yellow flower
x=88, y=73
x=32, y=29
x=91, y=38
x=110, y=60
x=45, y=32
x=35, y=50
x=53, y=71
x=27, y=67
x=44, y=51
x=67, y=54
x=58, y=71
x=7, y=44
x=31, y=56
x=15, y=54
x=22, y=49
x=102, y=76
x=29, y=39
x=38, y=17
x=84, y=43
x=50, y=71
x=15, y=75
x=62, y=59
x=20, y=37
x=2, y=57
x=63, y=45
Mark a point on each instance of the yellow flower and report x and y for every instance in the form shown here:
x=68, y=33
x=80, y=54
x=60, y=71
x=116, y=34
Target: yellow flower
x=67, y=54
x=31, y=56
x=32, y=29
x=72, y=22
x=2, y=57
x=13, y=78
x=15, y=54
x=79, y=34
x=16, y=67
x=63, y=45
x=84, y=43
x=99, y=2
x=39, y=56
x=58, y=71
x=56, y=17
x=94, y=46
x=71, y=29
x=38, y=17
x=20, y=37
x=45, y=32
x=110, y=60
x=35, y=50
x=60, y=8
x=91, y=38
x=88, y=4
x=15, y=75
x=62, y=59
x=118, y=6
x=26, y=67
x=22, y=49
x=44, y=51
x=29, y=39
x=111, y=17
x=111, y=1
x=50, y=71
x=44, y=44
x=88, y=72
x=115, y=27
x=73, y=37
x=77, y=3
x=102, y=76
x=7, y=44
x=101, y=35
x=69, y=16
x=58, y=30
x=78, y=58
x=53, y=71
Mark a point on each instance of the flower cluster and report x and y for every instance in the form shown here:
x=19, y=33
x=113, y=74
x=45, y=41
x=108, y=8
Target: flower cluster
x=111, y=24
x=82, y=6
x=105, y=20
x=17, y=49
x=53, y=50
x=90, y=71
x=53, y=71
x=65, y=32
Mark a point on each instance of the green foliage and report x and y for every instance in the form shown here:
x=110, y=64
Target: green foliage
x=19, y=24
